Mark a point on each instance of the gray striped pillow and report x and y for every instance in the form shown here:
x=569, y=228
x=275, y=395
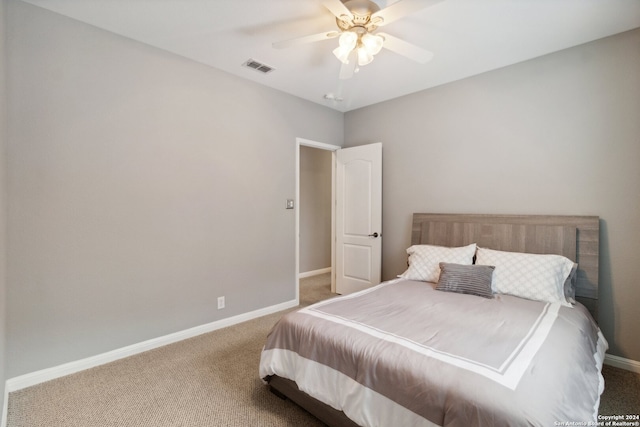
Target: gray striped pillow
x=466, y=279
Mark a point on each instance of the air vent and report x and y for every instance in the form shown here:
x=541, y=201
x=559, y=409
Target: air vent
x=258, y=66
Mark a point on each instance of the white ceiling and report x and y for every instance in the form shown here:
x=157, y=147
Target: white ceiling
x=468, y=37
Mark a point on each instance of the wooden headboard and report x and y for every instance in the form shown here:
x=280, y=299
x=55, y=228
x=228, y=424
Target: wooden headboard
x=575, y=237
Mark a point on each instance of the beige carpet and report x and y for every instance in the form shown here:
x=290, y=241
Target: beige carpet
x=621, y=392
x=210, y=380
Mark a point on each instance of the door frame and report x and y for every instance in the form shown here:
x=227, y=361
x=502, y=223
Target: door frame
x=322, y=146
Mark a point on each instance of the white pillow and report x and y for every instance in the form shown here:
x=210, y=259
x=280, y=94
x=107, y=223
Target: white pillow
x=530, y=276
x=424, y=260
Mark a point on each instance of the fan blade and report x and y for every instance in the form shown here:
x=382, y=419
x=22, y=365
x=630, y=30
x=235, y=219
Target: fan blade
x=406, y=49
x=347, y=70
x=306, y=39
x=338, y=9
x=399, y=10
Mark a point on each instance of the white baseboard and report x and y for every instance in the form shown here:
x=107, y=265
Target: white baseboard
x=33, y=378
x=622, y=363
x=314, y=272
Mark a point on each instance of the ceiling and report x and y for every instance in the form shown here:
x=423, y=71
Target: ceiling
x=467, y=37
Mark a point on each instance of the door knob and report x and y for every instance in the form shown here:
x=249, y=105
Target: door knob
x=374, y=235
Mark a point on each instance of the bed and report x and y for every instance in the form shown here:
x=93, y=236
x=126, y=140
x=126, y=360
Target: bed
x=467, y=346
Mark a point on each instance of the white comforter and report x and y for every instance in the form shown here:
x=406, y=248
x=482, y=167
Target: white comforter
x=404, y=354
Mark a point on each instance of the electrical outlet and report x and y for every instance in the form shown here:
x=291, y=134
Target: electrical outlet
x=220, y=302
x=289, y=203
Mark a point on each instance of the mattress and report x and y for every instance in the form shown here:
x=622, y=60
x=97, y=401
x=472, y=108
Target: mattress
x=405, y=354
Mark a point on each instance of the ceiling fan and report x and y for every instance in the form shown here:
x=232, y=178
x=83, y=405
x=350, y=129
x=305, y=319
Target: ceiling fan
x=358, y=41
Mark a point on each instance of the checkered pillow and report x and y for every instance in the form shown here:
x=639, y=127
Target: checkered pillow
x=530, y=276
x=424, y=260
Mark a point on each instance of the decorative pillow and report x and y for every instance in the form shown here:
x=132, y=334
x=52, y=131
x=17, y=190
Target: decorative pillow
x=424, y=260
x=570, y=285
x=531, y=276
x=466, y=279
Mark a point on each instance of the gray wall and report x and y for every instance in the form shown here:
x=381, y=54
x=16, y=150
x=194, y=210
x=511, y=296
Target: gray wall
x=3, y=206
x=555, y=135
x=315, y=209
x=141, y=187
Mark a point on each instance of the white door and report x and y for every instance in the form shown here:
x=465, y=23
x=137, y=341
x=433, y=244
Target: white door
x=358, y=217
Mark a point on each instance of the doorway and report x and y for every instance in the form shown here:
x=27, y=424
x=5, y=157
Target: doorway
x=315, y=172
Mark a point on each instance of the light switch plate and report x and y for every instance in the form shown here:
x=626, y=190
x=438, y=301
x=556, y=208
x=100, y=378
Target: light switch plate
x=289, y=203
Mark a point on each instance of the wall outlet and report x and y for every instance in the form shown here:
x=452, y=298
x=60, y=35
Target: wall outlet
x=220, y=302
x=290, y=204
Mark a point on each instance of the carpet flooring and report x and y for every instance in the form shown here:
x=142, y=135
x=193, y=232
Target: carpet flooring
x=209, y=380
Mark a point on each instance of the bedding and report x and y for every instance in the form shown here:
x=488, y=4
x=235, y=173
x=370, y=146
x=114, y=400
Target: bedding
x=424, y=260
x=466, y=279
x=405, y=354
x=532, y=276
x=570, y=285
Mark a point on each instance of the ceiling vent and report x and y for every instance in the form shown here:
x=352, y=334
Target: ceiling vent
x=258, y=66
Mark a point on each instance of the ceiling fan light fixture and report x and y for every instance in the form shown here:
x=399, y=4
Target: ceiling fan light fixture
x=364, y=56
x=358, y=42
x=372, y=43
x=348, y=40
x=342, y=54
x=346, y=43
